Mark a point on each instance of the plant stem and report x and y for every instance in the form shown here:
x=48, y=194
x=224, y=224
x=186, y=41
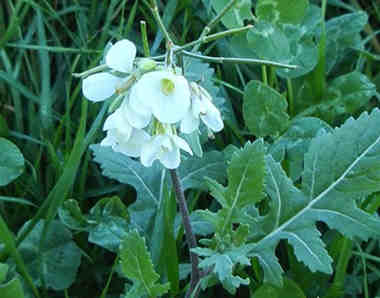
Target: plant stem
x=157, y=17
x=290, y=96
x=238, y=60
x=190, y=238
x=264, y=74
x=213, y=22
x=144, y=37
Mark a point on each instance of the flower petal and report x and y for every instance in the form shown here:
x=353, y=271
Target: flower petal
x=99, y=86
x=189, y=123
x=117, y=121
x=181, y=143
x=133, y=146
x=121, y=55
x=138, y=102
x=136, y=119
x=109, y=140
x=212, y=118
x=150, y=151
x=170, y=159
x=168, y=106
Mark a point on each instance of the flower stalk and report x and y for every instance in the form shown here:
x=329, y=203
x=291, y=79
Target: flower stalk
x=190, y=237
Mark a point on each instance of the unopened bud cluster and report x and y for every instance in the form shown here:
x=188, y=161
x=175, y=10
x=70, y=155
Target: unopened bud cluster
x=151, y=103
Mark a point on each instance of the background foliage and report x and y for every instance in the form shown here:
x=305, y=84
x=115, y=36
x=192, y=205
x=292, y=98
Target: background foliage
x=284, y=201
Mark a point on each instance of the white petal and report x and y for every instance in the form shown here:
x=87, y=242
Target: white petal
x=181, y=143
x=189, y=123
x=99, y=86
x=136, y=119
x=170, y=159
x=109, y=140
x=212, y=118
x=118, y=122
x=138, y=101
x=133, y=146
x=150, y=151
x=166, y=108
x=121, y=55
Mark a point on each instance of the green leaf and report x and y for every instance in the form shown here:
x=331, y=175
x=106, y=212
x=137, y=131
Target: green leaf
x=136, y=265
x=289, y=290
x=57, y=261
x=340, y=167
x=12, y=289
x=149, y=193
x=350, y=92
x=72, y=217
x=3, y=272
x=283, y=11
x=287, y=44
x=236, y=15
x=223, y=264
x=109, y=223
x=294, y=143
x=264, y=110
x=11, y=162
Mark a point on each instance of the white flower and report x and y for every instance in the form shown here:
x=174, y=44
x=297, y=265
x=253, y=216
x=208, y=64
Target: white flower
x=163, y=94
x=121, y=136
x=120, y=57
x=165, y=148
x=201, y=108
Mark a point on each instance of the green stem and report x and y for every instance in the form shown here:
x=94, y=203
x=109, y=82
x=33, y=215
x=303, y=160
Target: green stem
x=365, y=279
x=144, y=37
x=238, y=60
x=290, y=96
x=157, y=17
x=345, y=252
x=213, y=22
x=264, y=74
x=105, y=290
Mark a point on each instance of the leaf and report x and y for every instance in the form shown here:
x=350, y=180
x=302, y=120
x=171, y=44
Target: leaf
x=289, y=290
x=11, y=162
x=128, y=171
x=136, y=265
x=287, y=44
x=264, y=110
x=294, y=143
x=144, y=180
x=283, y=11
x=222, y=265
x=340, y=167
x=59, y=257
x=72, y=217
x=351, y=92
x=236, y=15
x=109, y=223
x=12, y=289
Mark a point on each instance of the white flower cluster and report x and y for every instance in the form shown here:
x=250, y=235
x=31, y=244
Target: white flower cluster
x=154, y=102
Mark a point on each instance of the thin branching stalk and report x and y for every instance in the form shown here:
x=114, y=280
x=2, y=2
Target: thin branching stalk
x=190, y=238
x=238, y=60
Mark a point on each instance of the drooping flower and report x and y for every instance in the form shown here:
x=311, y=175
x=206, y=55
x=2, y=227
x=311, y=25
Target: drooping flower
x=201, y=108
x=166, y=148
x=122, y=136
x=120, y=58
x=163, y=94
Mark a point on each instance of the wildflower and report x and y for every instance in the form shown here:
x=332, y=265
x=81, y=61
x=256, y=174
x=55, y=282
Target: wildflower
x=120, y=58
x=201, y=108
x=163, y=94
x=122, y=136
x=166, y=148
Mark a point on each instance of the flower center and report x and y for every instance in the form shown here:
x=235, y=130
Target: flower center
x=167, y=86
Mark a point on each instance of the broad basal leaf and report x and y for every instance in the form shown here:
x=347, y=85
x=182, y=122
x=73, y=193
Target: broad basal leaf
x=264, y=110
x=289, y=290
x=12, y=288
x=146, y=181
x=282, y=11
x=11, y=162
x=294, y=143
x=137, y=266
x=340, y=167
x=57, y=261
